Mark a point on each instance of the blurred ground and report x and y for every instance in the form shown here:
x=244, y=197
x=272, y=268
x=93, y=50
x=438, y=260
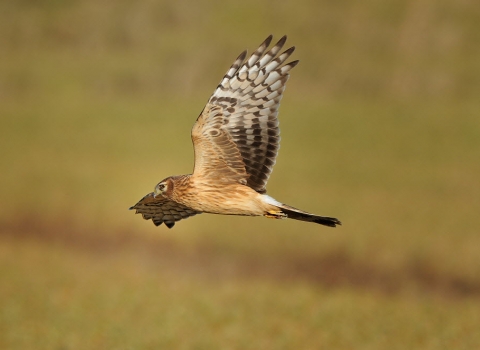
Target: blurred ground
x=380, y=128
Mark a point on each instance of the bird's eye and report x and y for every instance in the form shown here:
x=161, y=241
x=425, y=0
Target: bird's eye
x=161, y=187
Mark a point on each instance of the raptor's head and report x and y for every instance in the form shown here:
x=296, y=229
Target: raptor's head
x=164, y=188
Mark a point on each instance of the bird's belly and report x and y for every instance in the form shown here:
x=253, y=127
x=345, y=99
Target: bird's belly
x=234, y=200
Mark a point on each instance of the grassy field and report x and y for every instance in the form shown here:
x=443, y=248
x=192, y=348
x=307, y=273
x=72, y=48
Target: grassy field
x=380, y=128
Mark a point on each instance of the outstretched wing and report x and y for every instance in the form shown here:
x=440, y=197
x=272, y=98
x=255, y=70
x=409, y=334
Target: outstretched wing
x=237, y=133
x=162, y=210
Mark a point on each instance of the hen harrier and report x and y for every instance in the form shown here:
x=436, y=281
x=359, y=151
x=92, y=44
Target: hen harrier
x=236, y=140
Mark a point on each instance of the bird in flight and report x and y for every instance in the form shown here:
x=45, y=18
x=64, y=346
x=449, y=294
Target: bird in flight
x=236, y=140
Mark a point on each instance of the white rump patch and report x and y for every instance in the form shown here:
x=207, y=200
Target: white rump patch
x=271, y=200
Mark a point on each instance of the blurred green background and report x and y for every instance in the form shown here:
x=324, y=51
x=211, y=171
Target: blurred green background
x=380, y=126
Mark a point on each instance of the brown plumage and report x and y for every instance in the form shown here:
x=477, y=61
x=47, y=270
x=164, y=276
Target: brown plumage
x=236, y=140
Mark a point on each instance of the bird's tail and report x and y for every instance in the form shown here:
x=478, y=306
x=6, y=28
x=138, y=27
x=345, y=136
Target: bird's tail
x=296, y=214
x=283, y=211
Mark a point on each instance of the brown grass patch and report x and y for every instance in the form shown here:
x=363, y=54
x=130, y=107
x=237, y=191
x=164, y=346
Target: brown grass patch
x=335, y=269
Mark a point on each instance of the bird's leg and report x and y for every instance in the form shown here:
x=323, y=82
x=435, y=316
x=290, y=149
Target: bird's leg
x=274, y=214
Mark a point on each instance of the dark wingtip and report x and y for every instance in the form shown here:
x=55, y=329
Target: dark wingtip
x=268, y=40
x=169, y=224
x=282, y=41
x=242, y=56
x=289, y=51
x=293, y=63
x=131, y=208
